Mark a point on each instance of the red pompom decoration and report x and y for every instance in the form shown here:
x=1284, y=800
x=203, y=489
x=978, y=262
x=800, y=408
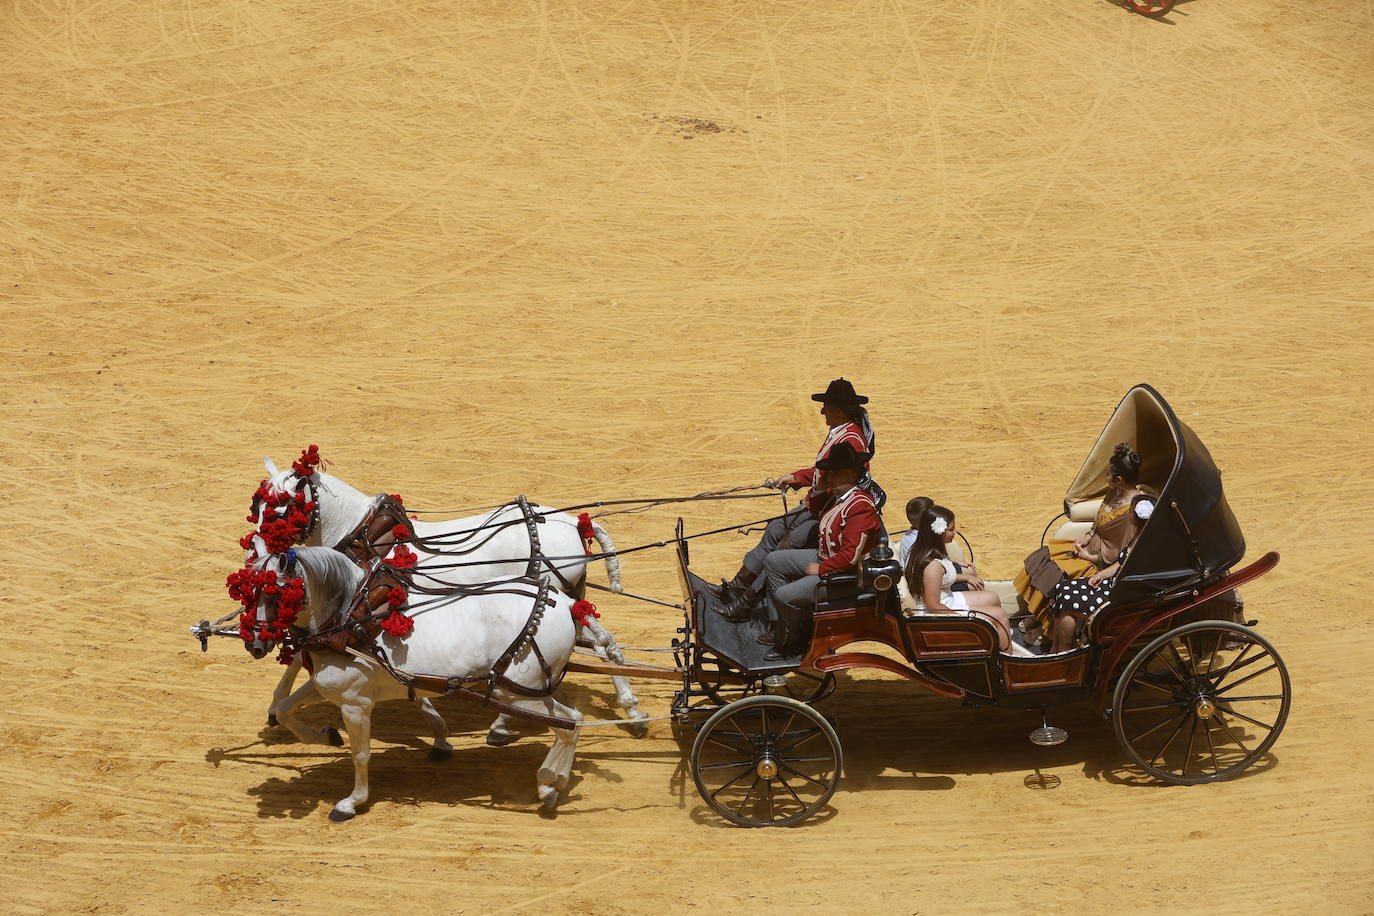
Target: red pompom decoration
x=398, y=624
x=400, y=533
x=584, y=527
x=396, y=597
x=581, y=610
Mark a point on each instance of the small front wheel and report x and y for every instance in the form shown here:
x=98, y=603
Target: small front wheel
x=1202, y=702
x=766, y=761
x=1152, y=8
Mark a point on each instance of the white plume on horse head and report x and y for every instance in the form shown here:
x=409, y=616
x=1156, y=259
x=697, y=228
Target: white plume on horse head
x=271, y=466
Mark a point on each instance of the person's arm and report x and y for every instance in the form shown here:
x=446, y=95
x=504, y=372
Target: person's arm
x=860, y=528
x=930, y=586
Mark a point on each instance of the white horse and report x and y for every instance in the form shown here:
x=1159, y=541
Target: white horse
x=500, y=548
x=458, y=636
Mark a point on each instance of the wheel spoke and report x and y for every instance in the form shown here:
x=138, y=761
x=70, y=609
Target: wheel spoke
x=1160, y=655
x=748, y=739
x=1185, y=666
x=788, y=786
x=1216, y=647
x=1172, y=705
x=1136, y=680
x=783, y=734
x=1188, y=754
x=768, y=790
x=1228, y=731
x=814, y=782
x=1235, y=665
x=731, y=783
x=763, y=723
x=747, y=795
x=804, y=759
x=1230, y=711
x=1168, y=741
x=1271, y=696
x=1161, y=724
x=721, y=766
x=1216, y=767
x=1248, y=677
x=729, y=747
x=806, y=736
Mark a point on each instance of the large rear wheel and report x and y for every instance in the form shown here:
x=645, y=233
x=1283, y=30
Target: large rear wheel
x=766, y=761
x=1201, y=703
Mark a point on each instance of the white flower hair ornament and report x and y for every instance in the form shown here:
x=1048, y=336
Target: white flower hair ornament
x=1144, y=509
x=939, y=526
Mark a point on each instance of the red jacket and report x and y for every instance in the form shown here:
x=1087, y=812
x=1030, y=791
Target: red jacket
x=846, y=432
x=844, y=522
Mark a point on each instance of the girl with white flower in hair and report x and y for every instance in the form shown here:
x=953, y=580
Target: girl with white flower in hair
x=929, y=577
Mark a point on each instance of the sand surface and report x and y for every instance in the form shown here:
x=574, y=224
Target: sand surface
x=588, y=250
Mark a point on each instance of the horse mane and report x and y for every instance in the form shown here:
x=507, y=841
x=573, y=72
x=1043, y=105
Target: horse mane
x=330, y=578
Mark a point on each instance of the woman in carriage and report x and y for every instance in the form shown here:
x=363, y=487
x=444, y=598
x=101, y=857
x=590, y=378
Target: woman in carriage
x=1119, y=519
x=845, y=414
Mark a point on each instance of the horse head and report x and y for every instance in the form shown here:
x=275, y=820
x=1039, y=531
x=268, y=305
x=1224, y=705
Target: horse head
x=302, y=587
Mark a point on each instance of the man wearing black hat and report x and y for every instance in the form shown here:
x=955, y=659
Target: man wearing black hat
x=848, y=528
x=844, y=412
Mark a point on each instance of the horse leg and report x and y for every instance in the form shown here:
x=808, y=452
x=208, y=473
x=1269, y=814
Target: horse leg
x=288, y=677
x=357, y=716
x=607, y=649
x=553, y=773
x=442, y=750
x=500, y=734
x=286, y=714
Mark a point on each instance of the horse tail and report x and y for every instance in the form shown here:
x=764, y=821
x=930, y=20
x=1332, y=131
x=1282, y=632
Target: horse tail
x=612, y=561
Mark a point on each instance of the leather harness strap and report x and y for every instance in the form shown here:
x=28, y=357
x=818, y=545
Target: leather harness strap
x=367, y=545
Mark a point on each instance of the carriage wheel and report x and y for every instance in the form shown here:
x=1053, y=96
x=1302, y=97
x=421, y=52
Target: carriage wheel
x=766, y=761
x=1152, y=8
x=1201, y=703
x=708, y=663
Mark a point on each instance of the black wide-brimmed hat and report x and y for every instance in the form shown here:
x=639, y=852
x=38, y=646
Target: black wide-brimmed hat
x=842, y=455
x=841, y=391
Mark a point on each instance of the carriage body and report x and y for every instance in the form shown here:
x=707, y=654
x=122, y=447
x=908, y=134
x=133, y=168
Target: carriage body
x=1164, y=646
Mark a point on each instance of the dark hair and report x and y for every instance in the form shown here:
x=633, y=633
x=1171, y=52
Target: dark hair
x=916, y=507
x=928, y=546
x=1125, y=463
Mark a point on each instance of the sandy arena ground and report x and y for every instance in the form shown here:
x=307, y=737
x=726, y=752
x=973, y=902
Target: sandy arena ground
x=599, y=249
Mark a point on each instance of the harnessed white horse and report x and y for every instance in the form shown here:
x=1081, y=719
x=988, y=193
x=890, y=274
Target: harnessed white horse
x=459, y=636
x=495, y=545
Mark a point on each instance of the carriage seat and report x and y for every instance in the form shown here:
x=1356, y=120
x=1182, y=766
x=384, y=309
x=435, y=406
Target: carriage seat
x=859, y=586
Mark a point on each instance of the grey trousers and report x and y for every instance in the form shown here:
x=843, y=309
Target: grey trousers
x=791, y=593
x=795, y=529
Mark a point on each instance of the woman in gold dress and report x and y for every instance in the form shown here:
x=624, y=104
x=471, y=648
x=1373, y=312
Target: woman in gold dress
x=1114, y=528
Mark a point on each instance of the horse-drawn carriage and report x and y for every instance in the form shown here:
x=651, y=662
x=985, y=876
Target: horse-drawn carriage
x=1165, y=658
x=1169, y=689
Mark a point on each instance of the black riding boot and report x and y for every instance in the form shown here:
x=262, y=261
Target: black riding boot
x=737, y=597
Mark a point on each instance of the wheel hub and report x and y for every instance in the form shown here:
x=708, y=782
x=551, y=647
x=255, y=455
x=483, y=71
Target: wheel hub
x=1204, y=707
x=766, y=767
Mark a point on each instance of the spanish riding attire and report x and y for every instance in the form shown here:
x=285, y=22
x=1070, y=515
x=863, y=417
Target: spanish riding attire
x=848, y=528
x=797, y=528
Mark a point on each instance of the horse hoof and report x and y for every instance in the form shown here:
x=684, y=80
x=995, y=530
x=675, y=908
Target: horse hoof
x=499, y=739
x=272, y=720
x=336, y=740
x=639, y=728
x=440, y=753
x=548, y=797
x=340, y=817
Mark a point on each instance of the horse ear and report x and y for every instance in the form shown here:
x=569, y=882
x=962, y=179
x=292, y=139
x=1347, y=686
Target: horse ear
x=271, y=467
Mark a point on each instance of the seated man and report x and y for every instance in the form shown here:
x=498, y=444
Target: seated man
x=849, y=527
x=847, y=418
